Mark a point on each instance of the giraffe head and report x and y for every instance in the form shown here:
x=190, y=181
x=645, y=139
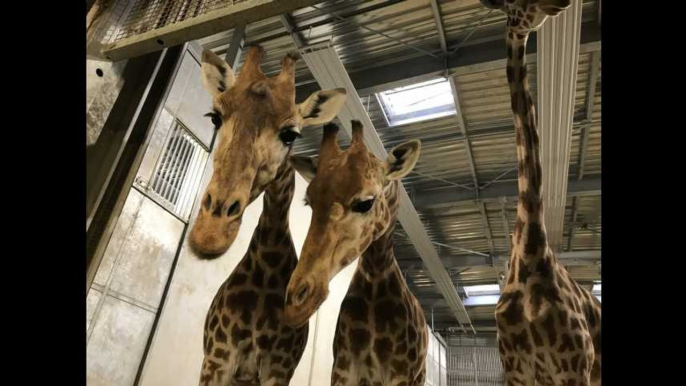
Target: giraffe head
x=350, y=210
x=525, y=16
x=258, y=121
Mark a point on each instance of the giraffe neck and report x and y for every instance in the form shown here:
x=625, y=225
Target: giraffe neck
x=378, y=259
x=272, y=237
x=278, y=197
x=529, y=239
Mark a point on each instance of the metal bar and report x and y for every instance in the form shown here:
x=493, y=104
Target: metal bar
x=466, y=261
x=463, y=130
x=590, y=104
x=469, y=35
x=174, y=177
x=460, y=249
x=472, y=167
x=201, y=26
x=157, y=182
x=178, y=164
x=335, y=15
x=445, y=198
x=188, y=176
x=233, y=53
x=287, y=22
x=170, y=161
x=185, y=163
x=194, y=181
x=436, y=10
x=486, y=226
x=169, y=164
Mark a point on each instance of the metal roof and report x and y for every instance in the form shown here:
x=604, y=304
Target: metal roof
x=454, y=225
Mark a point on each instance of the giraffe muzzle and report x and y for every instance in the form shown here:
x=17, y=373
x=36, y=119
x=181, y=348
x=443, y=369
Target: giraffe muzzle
x=302, y=302
x=301, y=294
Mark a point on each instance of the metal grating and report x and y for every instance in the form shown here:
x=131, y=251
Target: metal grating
x=472, y=366
x=147, y=15
x=178, y=171
x=436, y=362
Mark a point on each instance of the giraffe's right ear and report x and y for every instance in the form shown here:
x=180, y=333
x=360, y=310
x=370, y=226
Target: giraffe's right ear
x=306, y=166
x=217, y=76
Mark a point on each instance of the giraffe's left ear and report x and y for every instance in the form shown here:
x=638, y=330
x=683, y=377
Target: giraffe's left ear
x=322, y=106
x=401, y=159
x=306, y=166
x=217, y=76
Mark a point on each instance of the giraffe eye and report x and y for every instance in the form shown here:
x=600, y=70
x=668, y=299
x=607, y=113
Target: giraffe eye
x=288, y=135
x=363, y=206
x=216, y=119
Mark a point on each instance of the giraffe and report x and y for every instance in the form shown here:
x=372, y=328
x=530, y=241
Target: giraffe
x=381, y=335
x=548, y=326
x=245, y=339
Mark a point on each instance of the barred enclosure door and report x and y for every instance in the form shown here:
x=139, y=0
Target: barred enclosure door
x=474, y=366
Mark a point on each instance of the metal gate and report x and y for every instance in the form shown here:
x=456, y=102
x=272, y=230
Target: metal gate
x=474, y=366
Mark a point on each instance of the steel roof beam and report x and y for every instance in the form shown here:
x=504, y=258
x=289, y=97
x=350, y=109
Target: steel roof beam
x=444, y=198
x=465, y=261
x=436, y=10
x=470, y=55
x=233, y=53
x=472, y=166
x=288, y=23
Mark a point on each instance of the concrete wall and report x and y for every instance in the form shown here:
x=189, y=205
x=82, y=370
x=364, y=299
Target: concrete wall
x=103, y=84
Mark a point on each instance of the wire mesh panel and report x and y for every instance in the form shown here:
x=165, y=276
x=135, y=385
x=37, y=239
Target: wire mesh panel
x=146, y=15
x=178, y=171
x=472, y=366
x=104, y=26
x=436, y=374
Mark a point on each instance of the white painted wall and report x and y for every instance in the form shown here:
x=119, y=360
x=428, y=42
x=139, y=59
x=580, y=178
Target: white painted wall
x=176, y=355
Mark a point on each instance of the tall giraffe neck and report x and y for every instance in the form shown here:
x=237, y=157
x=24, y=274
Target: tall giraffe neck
x=529, y=206
x=379, y=257
x=278, y=197
x=273, y=227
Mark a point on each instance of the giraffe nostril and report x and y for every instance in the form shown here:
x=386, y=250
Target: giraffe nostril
x=301, y=294
x=234, y=208
x=208, y=202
